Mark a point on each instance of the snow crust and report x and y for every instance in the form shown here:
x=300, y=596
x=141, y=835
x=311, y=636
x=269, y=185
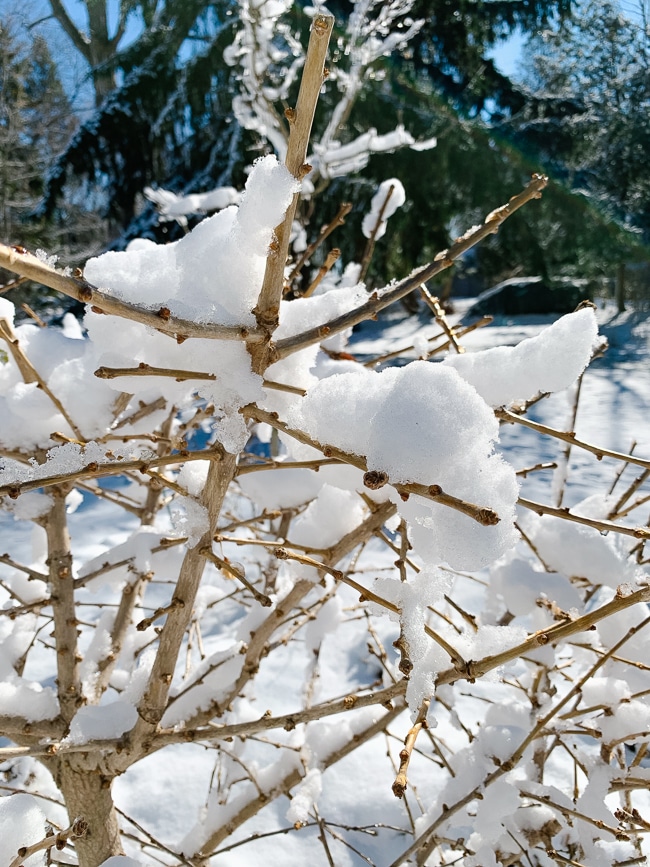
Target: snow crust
x=549, y=362
x=389, y=197
x=102, y=722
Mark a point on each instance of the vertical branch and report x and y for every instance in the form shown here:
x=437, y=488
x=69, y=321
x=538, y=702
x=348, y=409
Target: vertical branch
x=300, y=119
x=154, y=701
x=63, y=607
x=434, y=304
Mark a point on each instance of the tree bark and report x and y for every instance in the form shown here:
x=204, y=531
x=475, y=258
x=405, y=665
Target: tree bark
x=87, y=793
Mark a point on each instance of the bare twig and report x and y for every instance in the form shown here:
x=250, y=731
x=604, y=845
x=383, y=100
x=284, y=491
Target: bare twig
x=401, y=780
x=370, y=244
x=514, y=418
x=76, y=831
x=327, y=230
x=602, y=526
x=330, y=260
x=236, y=573
x=441, y=319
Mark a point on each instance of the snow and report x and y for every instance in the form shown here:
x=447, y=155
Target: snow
x=389, y=197
x=102, y=722
x=304, y=798
x=23, y=823
x=550, y=362
x=173, y=207
x=422, y=423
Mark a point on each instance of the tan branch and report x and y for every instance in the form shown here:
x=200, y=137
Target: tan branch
x=330, y=260
x=76, y=831
x=379, y=300
x=367, y=595
x=285, y=784
x=148, y=370
x=370, y=244
x=143, y=411
x=63, y=606
x=425, y=842
x=550, y=635
x=338, y=220
x=403, y=350
x=570, y=437
x=602, y=526
x=154, y=701
x=33, y=574
x=434, y=304
x=401, y=781
x=123, y=618
x=111, y=468
x=314, y=465
x=236, y=574
x=300, y=121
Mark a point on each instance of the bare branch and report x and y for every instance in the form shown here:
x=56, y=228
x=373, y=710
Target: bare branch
x=379, y=300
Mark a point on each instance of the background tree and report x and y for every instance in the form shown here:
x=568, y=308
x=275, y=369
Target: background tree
x=174, y=90
x=36, y=121
x=589, y=121
x=168, y=121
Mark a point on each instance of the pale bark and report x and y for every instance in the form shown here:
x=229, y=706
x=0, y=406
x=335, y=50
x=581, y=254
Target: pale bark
x=87, y=793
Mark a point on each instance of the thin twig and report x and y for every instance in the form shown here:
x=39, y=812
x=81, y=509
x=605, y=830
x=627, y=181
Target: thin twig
x=327, y=230
x=370, y=244
x=236, y=573
x=514, y=418
x=401, y=780
x=441, y=319
x=330, y=260
x=602, y=526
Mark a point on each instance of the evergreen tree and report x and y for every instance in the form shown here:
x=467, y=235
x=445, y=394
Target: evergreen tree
x=590, y=123
x=169, y=121
x=36, y=121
